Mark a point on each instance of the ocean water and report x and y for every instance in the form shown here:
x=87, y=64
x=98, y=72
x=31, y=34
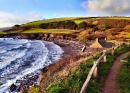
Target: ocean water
x=21, y=57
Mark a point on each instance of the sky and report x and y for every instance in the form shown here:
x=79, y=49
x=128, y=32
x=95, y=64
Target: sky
x=22, y=11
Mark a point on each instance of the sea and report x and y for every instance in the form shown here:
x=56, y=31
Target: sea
x=21, y=57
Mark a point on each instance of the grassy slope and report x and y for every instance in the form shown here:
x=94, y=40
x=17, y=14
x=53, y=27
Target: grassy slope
x=126, y=34
x=74, y=82
x=36, y=23
x=124, y=76
x=59, y=31
x=120, y=18
x=75, y=19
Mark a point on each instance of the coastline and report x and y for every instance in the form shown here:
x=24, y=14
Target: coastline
x=62, y=67
x=71, y=58
x=70, y=48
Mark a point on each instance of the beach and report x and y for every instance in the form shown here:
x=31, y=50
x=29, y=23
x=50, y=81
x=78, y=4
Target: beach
x=60, y=61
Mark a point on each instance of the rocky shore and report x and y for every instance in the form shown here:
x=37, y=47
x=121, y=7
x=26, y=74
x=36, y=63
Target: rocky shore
x=72, y=52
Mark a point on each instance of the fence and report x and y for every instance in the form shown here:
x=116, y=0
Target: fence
x=94, y=68
x=93, y=71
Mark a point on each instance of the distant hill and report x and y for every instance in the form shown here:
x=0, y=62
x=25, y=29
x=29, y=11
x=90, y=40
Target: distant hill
x=112, y=28
x=36, y=23
x=5, y=28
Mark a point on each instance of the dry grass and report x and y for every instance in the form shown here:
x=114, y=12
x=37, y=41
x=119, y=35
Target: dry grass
x=61, y=69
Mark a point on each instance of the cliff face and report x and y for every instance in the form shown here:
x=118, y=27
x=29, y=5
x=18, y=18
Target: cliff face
x=41, y=36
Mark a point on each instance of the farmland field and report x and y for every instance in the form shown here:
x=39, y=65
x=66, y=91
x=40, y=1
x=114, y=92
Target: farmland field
x=58, y=31
x=36, y=23
x=119, y=18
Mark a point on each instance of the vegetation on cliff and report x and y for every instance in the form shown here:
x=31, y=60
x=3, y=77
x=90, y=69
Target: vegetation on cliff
x=102, y=27
x=75, y=80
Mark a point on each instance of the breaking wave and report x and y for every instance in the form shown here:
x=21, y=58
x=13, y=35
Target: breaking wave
x=20, y=57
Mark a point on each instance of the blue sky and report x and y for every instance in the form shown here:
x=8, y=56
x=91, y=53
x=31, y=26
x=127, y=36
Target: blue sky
x=21, y=11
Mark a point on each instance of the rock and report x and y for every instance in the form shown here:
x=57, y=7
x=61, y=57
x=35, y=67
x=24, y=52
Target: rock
x=12, y=87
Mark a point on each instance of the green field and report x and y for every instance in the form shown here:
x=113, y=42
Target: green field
x=36, y=23
x=2, y=33
x=57, y=31
x=75, y=19
x=119, y=18
x=79, y=21
x=10, y=32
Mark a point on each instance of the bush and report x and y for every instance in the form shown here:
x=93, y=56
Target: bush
x=35, y=89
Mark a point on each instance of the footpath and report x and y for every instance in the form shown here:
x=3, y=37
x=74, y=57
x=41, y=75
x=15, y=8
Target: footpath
x=110, y=85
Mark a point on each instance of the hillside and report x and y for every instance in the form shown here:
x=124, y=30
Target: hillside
x=112, y=28
x=37, y=23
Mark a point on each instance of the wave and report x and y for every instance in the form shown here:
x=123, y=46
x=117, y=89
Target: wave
x=22, y=57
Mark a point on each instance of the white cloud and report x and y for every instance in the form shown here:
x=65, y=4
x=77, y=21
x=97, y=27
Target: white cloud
x=108, y=7
x=9, y=19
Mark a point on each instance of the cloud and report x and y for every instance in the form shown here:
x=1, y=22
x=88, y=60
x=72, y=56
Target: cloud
x=10, y=19
x=108, y=7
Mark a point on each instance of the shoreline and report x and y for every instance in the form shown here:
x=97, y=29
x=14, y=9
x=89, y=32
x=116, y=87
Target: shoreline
x=72, y=53
x=66, y=46
x=61, y=68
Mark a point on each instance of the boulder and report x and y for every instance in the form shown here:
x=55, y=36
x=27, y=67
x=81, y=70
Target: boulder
x=12, y=87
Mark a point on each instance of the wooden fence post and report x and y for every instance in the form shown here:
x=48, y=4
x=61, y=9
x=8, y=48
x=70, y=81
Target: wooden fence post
x=104, y=58
x=83, y=49
x=112, y=52
x=95, y=73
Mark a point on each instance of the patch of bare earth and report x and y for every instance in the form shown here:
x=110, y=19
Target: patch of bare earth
x=110, y=85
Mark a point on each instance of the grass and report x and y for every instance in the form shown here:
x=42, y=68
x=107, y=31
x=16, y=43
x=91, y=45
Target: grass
x=54, y=31
x=79, y=21
x=2, y=33
x=36, y=23
x=10, y=32
x=119, y=18
x=73, y=83
x=128, y=40
x=125, y=34
x=75, y=80
x=124, y=77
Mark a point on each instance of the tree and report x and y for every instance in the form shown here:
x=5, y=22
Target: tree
x=107, y=27
x=95, y=28
x=44, y=25
x=70, y=24
x=61, y=24
x=16, y=26
x=83, y=25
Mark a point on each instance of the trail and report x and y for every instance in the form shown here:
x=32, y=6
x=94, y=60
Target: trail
x=110, y=85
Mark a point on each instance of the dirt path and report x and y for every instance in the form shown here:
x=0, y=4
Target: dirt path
x=110, y=85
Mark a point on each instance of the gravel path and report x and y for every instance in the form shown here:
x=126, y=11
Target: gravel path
x=110, y=85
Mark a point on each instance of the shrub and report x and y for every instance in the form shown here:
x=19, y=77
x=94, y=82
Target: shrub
x=34, y=89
